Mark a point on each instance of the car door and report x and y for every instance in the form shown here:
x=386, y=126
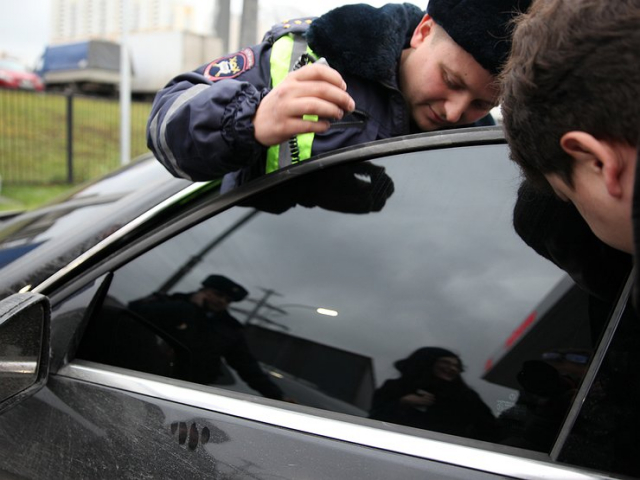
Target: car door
x=357, y=264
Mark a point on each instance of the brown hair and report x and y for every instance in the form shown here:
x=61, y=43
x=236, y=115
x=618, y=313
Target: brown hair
x=574, y=65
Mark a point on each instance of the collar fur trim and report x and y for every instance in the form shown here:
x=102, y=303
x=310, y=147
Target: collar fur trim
x=363, y=40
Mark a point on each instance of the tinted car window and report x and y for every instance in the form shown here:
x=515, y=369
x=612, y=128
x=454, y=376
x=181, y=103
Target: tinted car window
x=395, y=290
x=606, y=434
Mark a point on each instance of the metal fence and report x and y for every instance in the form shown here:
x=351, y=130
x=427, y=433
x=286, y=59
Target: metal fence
x=48, y=138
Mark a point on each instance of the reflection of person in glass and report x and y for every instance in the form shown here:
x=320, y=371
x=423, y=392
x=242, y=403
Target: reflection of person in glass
x=200, y=321
x=548, y=388
x=431, y=394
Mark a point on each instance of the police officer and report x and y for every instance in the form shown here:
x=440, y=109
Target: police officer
x=200, y=320
x=392, y=71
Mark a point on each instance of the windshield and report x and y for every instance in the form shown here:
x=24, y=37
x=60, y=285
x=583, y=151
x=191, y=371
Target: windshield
x=46, y=238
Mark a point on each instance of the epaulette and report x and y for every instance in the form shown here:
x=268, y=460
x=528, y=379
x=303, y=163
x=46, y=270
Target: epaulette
x=296, y=25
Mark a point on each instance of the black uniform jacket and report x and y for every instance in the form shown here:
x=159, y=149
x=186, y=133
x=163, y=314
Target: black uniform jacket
x=209, y=337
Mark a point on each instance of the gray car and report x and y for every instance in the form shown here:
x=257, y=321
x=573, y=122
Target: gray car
x=412, y=334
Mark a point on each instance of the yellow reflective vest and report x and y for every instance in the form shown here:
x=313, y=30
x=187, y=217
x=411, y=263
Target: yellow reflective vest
x=285, y=56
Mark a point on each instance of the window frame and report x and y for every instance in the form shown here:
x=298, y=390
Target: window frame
x=594, y=367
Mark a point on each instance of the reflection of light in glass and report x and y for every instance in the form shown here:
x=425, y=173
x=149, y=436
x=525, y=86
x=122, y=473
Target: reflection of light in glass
x=322, y=311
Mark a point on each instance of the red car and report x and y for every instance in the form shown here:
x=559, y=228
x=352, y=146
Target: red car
x=15, y=75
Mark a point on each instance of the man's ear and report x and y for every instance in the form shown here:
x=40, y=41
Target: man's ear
x=597, y=157
x=422, y=31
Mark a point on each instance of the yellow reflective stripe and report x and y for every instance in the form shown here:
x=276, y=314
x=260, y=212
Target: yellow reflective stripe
x=281, y=59
x=272, y=158
x=310, y=52
x=280, y=63
x=305, y=140
x=273, y=153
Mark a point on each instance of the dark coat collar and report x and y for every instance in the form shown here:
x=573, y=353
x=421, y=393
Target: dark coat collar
x=635, y=217
x=363, y=40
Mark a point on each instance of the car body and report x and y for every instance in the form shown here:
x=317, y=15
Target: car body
x=407, y=243
x=14, y=75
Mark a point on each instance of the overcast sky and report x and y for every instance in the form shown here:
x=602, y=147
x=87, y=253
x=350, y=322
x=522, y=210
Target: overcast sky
x=24, y=27
x=25, y=24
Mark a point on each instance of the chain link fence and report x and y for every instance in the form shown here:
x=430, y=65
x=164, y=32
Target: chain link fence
x=50, y=138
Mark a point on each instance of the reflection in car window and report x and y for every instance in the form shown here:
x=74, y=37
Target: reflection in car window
x=394, y=290
x=606, y=435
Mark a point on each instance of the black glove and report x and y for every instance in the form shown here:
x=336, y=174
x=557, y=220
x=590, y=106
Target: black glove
x=355, y=188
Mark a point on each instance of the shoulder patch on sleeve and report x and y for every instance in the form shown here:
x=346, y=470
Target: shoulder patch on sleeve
x=230, y=66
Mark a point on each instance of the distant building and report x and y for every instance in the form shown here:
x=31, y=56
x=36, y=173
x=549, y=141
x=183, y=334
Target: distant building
x=165, y=38
x=75, y=20
x=80, y=20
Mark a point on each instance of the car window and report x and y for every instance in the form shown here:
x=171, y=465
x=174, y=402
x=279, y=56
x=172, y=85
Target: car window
x=606, y=434
x=394, y=290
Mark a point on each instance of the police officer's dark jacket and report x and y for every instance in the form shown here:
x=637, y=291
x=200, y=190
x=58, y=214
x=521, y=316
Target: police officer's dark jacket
x=209, y=337
x=201, y=128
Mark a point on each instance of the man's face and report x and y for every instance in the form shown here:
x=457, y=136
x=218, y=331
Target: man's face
x=441, y=82
x=608, y=219
x=214, y=300
x=603, y=186
x=447, y=368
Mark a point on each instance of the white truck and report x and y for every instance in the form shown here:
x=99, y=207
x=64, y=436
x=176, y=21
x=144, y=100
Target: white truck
x=93, y=66
x=87, y=66
x=157, y=57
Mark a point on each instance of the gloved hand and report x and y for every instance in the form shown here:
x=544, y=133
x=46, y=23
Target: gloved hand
x=355, y=188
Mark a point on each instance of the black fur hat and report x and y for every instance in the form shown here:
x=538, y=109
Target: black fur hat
x=422, y=360
x=227, y=286
x=482, y=27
